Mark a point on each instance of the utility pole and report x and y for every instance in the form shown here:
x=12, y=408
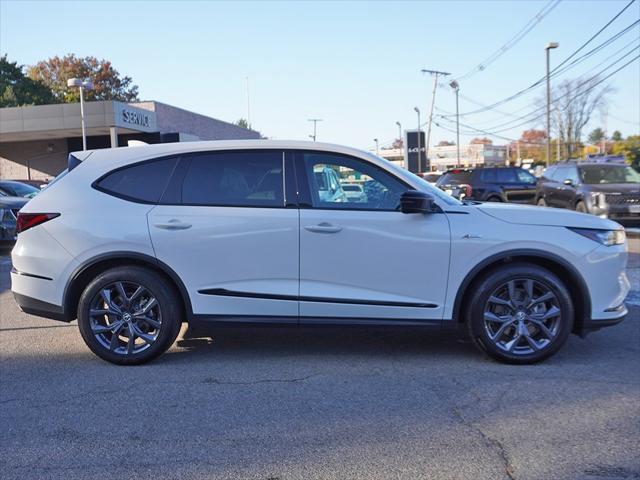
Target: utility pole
x=604, y=134
x=435, y=74
x=548, y=48
x=248, y=106
x=315, y=123
x=417, y=110
x=559, y=135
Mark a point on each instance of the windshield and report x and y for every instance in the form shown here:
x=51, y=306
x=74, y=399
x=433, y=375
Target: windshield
x=599, y=174
x=20, y=189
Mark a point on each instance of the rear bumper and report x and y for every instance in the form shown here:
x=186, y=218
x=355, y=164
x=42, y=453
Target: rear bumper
x=36, y=307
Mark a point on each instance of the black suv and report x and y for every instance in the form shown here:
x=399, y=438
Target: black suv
x=490, y=184
x=603, y=189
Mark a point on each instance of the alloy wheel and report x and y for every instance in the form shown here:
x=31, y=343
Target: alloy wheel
x=522, y=316
x=125, y=318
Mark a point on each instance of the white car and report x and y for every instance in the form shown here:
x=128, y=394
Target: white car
x=354, y=192
x=134, y=241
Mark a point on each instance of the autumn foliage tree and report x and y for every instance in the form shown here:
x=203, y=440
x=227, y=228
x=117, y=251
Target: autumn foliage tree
x=107, y=81
x=530, y=146
x=16, y=89
x=481, y=141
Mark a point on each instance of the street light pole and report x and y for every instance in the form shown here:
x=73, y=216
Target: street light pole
x=82, y=86
x=417, y=110
x=547, y=49
x=377, y=146
x=315, y=123
x=456, y=87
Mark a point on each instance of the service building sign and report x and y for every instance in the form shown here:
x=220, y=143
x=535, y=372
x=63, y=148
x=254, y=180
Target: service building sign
x=415, y=153
x=134, y=118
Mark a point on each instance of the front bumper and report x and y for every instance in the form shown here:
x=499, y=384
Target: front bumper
x=628, y=215
x=591, y=325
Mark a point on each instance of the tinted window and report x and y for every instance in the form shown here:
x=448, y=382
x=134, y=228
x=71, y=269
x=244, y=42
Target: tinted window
x=548, y=173
x=240, y=179
x=559, y=175
x=327, y=173
x=596, y=174
x=506, y=175
x=462, y=176
x=525, y=177
x=489, y=175
x=143, y=182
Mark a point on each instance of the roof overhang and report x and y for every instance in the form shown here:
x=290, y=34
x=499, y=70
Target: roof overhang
x=43, y=122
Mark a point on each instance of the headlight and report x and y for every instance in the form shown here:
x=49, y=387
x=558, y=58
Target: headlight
x=598, y=199
x=605, y=237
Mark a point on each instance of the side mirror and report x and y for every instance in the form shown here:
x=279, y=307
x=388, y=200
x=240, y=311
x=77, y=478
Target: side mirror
x=414, y=201
x=568, y=182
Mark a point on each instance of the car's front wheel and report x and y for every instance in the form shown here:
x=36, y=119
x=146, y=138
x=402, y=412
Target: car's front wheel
x=520, y=313
x=129, y=315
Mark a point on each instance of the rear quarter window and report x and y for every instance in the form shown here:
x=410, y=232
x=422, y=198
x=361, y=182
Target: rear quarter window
x=141, y=182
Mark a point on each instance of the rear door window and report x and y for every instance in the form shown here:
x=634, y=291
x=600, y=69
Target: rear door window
x=141, y=182
x=235, y=179
x=506, y=175
x=489, y=175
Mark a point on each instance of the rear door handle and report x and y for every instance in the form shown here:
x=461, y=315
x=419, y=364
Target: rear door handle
x=323, y=227
x=173, y=224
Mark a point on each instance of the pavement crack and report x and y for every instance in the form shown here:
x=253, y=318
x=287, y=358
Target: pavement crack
x=215, y=381
x=490, y=442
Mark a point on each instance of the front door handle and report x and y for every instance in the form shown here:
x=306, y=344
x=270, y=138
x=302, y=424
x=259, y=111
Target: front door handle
x=173, y=224
x=323, y=227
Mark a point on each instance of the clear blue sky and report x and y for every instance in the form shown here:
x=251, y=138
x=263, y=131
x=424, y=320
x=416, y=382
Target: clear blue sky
x=356, y=65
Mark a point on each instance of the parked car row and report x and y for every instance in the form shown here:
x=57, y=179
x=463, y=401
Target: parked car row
x=14, y=194
x=609, y=190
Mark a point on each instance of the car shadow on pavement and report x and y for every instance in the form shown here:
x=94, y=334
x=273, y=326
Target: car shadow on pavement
x=313, y=341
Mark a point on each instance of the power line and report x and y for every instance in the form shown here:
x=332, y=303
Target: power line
x=580, y=93
x=595, y=35
x=541, y=80
x=513, y=41
x=539, y=111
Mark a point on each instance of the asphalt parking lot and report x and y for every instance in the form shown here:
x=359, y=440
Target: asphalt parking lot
x=307, y=404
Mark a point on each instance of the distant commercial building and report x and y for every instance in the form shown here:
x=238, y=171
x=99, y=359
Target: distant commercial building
x=36, y=140
x=442, y=158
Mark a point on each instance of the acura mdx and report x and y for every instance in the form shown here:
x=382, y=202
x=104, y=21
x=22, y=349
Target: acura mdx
x=135, y=241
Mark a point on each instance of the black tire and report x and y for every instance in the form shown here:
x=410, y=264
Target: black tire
x=581, y=207
x=494, y=198
x=165, y=313
x=480, y=308
x=541, y=202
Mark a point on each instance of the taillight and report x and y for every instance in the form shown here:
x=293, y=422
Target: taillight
x=27, y=220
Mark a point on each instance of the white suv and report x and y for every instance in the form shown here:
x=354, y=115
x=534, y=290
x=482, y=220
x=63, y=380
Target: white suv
x=134, y=241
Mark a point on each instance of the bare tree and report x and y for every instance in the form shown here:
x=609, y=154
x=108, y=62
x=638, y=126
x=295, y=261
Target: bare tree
x=575, y=101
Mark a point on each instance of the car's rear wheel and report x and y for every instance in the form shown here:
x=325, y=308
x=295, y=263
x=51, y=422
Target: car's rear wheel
x=494, y=198
x=520, y=313
x=129, y=315
x=541, y=202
